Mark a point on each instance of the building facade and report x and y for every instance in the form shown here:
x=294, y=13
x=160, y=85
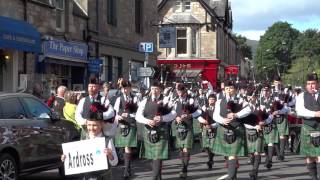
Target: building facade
x=202, y=40
x=69, y=40
x=115, y=30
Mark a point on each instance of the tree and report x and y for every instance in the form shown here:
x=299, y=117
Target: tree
x=274, y=51
x=308, y=46
x=245, y=49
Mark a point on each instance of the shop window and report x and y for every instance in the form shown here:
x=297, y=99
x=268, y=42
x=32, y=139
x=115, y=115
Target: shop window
x=60, y=15
x=181, y=41
x=134, y=69
x=111, y=12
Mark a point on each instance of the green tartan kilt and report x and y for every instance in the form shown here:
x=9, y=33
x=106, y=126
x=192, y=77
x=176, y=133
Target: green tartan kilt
x=187, y=142
x=256, y=146
x=206, y=142
x=129, y=141
x=283, y=127
x=196, y=127
x=306, y=147
x=272, y=137
x=158, y=150
x=238, y=148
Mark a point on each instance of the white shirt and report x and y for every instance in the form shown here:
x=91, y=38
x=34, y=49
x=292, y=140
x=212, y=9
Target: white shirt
x=300, y=108
x=218, y=118
x=110, y=145
x=109, y=129
x=141, y=119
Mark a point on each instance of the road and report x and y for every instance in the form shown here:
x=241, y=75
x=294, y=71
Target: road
x=293, y=168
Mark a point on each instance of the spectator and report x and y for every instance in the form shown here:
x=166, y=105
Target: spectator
x=69, y=109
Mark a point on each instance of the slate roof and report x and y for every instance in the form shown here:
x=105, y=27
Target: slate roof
x=181, y=19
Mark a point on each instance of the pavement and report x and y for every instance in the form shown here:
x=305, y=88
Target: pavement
x=292, y=168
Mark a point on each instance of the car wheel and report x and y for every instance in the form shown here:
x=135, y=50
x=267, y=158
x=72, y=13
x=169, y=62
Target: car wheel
x=8, y=167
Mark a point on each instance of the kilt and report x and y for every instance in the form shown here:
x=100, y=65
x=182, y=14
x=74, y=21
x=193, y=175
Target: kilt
x=306, y=147
x=129, y=141
x=238, y=148
x=206, y=142
x=196, y=127
x=256, y=146
x=272, y=137
x=158, y=150
x=187, y=142
x=283, y=127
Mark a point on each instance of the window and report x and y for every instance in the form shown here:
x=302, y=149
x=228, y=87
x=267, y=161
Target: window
x=8, y=112
x=114, y=67
x=36, y=108
x=138, y=15
x=111, y=12
x=181, y=41
x=187, y=6
x=182, y=6
x=178, y=7
x=135, y=65
x=194, y=41
x=60, y=15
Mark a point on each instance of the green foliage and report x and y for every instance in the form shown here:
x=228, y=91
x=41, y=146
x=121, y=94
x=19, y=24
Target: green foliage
x=274, y=53
x=245, y=49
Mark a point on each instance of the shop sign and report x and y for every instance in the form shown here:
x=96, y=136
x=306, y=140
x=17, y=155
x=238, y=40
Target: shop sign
x=167, y=37
x=94, y=65
x=233, y=69
x=65, y=50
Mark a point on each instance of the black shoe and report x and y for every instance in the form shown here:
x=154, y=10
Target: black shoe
x=126, y=174
x=280, y=158
x=253, y=175
x=209, y=164
x=183, y=175
x=268, y=165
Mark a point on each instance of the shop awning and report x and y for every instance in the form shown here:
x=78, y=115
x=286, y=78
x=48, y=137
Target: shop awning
x=16, y=34
x=190, y=73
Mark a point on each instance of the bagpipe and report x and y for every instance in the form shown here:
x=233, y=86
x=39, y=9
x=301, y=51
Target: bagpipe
x=128, y=122
x=210, y=132
x=184, y=126
x=154, y=133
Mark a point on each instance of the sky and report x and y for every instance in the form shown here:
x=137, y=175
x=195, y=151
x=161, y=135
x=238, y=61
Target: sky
x=251, y=18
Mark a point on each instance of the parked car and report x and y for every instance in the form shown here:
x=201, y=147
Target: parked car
x=30, y=136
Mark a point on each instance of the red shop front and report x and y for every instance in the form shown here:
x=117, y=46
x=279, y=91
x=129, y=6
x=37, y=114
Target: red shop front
x=207, y=68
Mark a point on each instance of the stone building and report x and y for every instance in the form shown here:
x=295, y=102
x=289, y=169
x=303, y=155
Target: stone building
x=63, y=42
x=202, y=39
x=115, y=30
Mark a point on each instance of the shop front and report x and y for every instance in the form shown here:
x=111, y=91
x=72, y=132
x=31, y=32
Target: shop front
x=63, y=63
x=188, y=69
x=19, y=43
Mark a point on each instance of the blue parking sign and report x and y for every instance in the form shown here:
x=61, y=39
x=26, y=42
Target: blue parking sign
x=146, y=47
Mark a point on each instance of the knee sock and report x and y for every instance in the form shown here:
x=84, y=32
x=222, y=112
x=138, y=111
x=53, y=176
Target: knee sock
x=312, y=167
x=270, y=153
x=257, y=161
x=127, y=158
x=185, y=161
x=156, y=168
x=232, y=169
x=210, y=156
x=282, y=146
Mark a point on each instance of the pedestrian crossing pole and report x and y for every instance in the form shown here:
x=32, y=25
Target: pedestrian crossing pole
x=146, y=79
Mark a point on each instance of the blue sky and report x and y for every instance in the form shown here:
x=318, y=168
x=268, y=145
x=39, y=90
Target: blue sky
x=251, y=18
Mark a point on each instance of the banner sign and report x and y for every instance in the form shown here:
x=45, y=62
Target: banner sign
x=232, y=69
x=94, y=65
x=65, y=50
x=85, y=156
x=167, y=37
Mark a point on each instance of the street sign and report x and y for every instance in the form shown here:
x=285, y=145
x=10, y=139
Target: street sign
x=146, y=47
x=145, y=72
